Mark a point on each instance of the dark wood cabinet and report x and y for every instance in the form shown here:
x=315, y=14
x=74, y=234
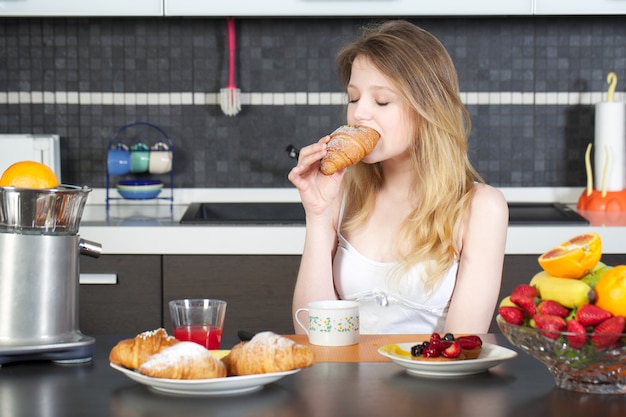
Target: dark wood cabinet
x=258, y=288
x=131, y=305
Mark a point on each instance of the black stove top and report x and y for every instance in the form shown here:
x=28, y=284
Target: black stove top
x=293, y=214
x=244, y=213
x=544, y=214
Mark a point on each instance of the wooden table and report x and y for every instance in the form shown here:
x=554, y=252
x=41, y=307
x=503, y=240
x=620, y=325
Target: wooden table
x=367, y=348
x=519, y=387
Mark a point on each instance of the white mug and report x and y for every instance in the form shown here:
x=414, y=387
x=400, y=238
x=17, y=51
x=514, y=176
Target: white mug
x=160, y=159
x=331, y=323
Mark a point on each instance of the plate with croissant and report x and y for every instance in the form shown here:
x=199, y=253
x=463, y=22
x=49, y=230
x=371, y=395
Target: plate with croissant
x=164, y=364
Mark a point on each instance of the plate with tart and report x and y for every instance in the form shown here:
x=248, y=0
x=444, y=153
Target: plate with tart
x=489, y=356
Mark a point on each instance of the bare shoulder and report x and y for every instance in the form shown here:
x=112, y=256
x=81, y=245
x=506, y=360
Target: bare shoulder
x=488, y=201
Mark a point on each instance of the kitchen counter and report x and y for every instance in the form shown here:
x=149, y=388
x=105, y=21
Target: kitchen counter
x=518, y=387
x=153, y=226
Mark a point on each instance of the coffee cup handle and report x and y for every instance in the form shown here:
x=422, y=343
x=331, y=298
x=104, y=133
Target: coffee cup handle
x=298, y=311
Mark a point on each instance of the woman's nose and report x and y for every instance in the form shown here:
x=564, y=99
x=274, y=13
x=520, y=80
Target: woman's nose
x=360, y=111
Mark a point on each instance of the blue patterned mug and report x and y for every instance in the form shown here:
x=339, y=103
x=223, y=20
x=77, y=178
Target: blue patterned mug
x=331, y=323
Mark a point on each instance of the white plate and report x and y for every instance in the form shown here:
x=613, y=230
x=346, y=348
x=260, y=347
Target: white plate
x=206, y=387
x=491, y=355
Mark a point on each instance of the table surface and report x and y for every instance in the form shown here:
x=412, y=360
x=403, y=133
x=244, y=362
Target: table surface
x=518, y=387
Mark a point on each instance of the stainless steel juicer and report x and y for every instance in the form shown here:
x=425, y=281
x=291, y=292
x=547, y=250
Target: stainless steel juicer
x=39, y=274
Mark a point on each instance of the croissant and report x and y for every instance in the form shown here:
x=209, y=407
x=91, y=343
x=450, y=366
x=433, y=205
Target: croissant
x=267, y=352
x=347, y=146
x=131, y=353
x=185, y=360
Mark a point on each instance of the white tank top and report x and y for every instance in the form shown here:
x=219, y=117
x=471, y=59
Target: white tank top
x=405, y=308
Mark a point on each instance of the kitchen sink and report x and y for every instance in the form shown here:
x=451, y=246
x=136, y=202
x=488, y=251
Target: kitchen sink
x=244, y=213
x=293, y=214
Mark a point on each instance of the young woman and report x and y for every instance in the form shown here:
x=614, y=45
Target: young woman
x=411, y=231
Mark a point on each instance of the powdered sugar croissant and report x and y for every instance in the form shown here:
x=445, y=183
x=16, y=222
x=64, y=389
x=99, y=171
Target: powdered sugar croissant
x=267, y=352
x=184, y=360
x=347, y=146
x=131, y=353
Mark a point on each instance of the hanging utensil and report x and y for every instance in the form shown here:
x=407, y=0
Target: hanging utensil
x=230, y=100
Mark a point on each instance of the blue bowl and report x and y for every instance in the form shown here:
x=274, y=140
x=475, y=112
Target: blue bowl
x=139, y=183
x=139, y=195
x=139, y=189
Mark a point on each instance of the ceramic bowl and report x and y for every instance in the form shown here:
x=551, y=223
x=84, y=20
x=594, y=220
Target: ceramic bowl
x=139, y=189
x=587, y=370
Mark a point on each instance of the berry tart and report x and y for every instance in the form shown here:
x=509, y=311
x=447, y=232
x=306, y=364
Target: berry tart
x=447, y=348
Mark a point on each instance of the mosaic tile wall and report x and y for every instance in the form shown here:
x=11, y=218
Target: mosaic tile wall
x=530, y=85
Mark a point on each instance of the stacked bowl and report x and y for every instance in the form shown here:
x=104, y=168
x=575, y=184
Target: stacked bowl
x=139, y=189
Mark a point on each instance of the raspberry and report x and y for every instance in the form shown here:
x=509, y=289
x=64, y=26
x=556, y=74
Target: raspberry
x=432, y=351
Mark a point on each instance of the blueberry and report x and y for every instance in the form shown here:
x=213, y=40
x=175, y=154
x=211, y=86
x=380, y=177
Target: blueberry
x=417, y=350
x=449, y=337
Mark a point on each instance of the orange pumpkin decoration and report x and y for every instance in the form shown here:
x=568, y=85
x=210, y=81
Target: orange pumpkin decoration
x=596, y=201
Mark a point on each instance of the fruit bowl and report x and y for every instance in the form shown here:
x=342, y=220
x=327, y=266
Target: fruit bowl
x=587, y=370
x=139, y=189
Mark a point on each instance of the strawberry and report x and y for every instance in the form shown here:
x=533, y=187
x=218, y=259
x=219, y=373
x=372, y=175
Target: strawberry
x=552, y=325
x=526, y=303
x=469, y=342
x=608, y=332
x=512, y=315
x=552, y=308
x=451, y=349
x=591, y=314
x=578, y=338
x=525, y=290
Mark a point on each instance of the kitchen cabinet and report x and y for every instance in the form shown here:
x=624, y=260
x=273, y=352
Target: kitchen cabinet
x=130, y=304
x=346, y=8
x=81, y=8
x=257, y=288
x=520, y=269
x=579, y=7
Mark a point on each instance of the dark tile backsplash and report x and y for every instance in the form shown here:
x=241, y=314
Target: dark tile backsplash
x=511, y=144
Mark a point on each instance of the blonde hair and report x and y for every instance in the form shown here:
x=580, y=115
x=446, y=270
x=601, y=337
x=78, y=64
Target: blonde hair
x=443, y=178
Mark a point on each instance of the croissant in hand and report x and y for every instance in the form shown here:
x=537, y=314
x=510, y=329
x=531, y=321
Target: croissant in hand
x=185, y=360
x=347, y=146
x=267, y=352
x=131, y=353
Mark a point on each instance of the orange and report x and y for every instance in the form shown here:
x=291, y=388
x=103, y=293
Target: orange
x=574, y=258
x=29, y=174
x=611, y=291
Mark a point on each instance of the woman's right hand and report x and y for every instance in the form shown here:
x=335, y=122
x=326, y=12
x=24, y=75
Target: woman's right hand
x=317, y=191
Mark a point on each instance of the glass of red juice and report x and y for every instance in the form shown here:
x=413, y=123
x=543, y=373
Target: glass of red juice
x=198, y=320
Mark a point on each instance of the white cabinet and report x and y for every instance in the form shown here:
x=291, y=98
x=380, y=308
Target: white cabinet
x=579, y=7
x=81, y=8
x=287, y=8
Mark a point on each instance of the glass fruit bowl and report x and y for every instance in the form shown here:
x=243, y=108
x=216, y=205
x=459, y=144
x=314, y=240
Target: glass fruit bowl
x=588, y=369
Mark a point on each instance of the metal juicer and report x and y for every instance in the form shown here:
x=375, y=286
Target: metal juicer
x=39, y=274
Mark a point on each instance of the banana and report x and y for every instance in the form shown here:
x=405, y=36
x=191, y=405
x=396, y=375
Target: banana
x=506, y=302
x=568, y=292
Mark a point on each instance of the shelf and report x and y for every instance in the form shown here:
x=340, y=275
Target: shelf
x=115, y=143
